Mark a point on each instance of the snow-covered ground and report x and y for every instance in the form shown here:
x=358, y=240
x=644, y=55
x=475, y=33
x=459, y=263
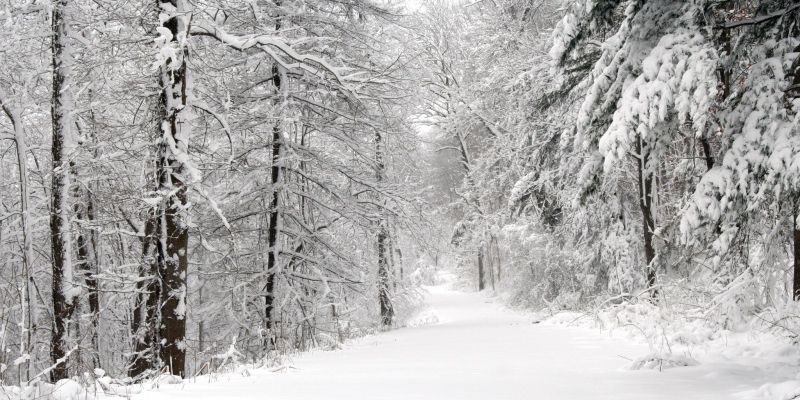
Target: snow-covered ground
x=466, y=346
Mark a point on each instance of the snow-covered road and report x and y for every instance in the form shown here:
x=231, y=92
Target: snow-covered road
x=476, y=350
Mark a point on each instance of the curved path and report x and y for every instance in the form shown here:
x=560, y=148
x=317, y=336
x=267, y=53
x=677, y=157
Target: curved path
x=476, y=350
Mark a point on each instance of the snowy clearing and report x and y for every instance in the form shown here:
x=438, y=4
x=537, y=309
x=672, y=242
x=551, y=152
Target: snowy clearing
x=466, y=346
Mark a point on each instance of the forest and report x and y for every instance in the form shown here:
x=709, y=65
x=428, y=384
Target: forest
x=190, y=185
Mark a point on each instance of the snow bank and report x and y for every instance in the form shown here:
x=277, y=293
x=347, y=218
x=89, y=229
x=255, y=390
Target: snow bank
x=686, y=336
x=787, y=390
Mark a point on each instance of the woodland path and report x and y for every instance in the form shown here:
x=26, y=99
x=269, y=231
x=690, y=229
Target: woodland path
x=476, y=350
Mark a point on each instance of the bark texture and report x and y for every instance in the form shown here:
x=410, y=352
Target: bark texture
x=648, y=223
x=173, y=234
x=792, y=99
x=384, y=251
x=62, y=290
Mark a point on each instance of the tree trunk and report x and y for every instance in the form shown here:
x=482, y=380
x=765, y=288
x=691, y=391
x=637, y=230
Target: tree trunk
x=390, y=257
x=384, y=252
x=399, y=254
x=92, y=248
x=143, y=323
x=384, y=296
x=86, y=264
x=791, y=95
x=491, y=260
x=498, y=258
x=796, y=269
x=648, y=224
x=63, y=293
x=481, y=280
x=272, y=230
x=724, y=74
x=173, y=234
x=707, y=152
x=274, y=220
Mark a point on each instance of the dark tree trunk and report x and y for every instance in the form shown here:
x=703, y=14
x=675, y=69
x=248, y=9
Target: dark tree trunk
x=791, y=95
x=724, y=72
x=274, y=202
x=709, y=156
x=172, y=268
x=796, y=266
x=481, y=278
x=399, y=254
x=274, y=214
x=648, y=224
x=173, y=244
x=62, y=291
x=200, y=324
x=272, y=231
x=94, y=286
